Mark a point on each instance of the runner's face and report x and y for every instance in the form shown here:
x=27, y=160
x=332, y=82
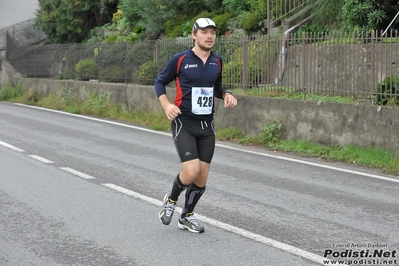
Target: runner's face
x=205, y=38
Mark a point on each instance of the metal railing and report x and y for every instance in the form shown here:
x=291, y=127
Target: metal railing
x=360, y=66
x=279, y=11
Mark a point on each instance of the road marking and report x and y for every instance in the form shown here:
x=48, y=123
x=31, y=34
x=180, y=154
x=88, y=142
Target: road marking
x=77, y=173
x=10, y=147
x=96, y=119
x=223, y=146
x=233, y=229
x=41, y=159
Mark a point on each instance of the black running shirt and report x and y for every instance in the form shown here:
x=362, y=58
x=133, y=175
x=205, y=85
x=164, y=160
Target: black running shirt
x=197, y=84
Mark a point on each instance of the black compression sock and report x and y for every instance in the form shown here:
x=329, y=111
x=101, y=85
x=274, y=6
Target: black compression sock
x=177, y=188
x=193, y=194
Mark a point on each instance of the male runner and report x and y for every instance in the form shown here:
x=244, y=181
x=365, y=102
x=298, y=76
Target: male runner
x=198, y=76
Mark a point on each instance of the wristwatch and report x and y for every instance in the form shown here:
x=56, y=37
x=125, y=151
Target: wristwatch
x=227, y=91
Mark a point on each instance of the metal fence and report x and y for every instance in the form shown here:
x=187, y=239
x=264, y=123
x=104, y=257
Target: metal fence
x=361, y=66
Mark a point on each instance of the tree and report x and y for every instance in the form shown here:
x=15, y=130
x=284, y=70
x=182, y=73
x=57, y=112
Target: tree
x=235, y=7
x=391, y=8
x=68, y=21
x=148, y=15
x=151, y=15
x=327, y=12
x=361, y=15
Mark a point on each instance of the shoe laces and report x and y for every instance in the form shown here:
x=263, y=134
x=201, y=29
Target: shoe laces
x=191, y=219
x=170, y=207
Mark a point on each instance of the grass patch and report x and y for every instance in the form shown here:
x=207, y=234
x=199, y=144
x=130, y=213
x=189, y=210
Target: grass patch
x=291, y=93
x=100, y=105
x=233, y=133
x=270, y=138
x=11, y=92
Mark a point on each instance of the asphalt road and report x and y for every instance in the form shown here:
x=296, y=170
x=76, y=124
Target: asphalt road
x=78, y=190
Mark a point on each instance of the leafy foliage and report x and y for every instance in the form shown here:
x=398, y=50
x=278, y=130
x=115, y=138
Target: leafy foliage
x=141, y=52
x=388, y=91
x=226, y=45
x=149, y=15
x=222, y=22
x=361, y=15
x=326, y=12
x=97, y=103
x=147, y=73
x=250, y=22
x=257, y=73
x=172, y=18
x=233, y=133
x=9, y=92
x=176, y=27
x=270, y=135
x=236, y=6
x=112, y=54
x=272, y=132
x=86, y=69
x=113, y=73
x=355, y=15
x=69, y=21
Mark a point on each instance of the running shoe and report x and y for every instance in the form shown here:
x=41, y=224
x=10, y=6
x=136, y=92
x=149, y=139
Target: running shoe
x=168, y=207
x=190, y=223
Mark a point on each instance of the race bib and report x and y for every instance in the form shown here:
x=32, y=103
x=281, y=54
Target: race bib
x=201, y=100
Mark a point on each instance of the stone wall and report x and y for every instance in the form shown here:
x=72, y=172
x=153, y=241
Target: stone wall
x=318, y=122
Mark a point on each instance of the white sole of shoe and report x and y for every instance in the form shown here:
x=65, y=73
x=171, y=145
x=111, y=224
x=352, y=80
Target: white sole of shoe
x=184, y=227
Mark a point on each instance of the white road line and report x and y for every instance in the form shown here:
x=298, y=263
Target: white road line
x=223, y=146
x=10, y=147
x=236, y=230
x=41, y=159
x=96, y=119
x=77, y=173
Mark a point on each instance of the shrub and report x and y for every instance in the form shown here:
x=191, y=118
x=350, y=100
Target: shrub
x=113, y=74
x=222, y=22
x=174, y=27
x=226, y=46
x=111, y=38
x=250, y=21
x=232, y=73
x=10, y=92
x=271, y=134
x=118, y=15
x=111, y=54
x=86, y=69
x=258, y=73
x=68, y=58
x=97, y=103
x=140, y=52
x=233, y=133
x=172, y=47
x=147, y=73
x=388, y=91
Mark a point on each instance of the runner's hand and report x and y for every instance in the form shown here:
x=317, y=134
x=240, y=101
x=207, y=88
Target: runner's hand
x=171, y=111
x=229, y=101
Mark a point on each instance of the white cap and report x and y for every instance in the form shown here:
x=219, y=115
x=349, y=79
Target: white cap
x=203, y=23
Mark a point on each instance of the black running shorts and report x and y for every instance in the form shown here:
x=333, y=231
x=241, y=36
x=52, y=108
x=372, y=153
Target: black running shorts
x=194, y=139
